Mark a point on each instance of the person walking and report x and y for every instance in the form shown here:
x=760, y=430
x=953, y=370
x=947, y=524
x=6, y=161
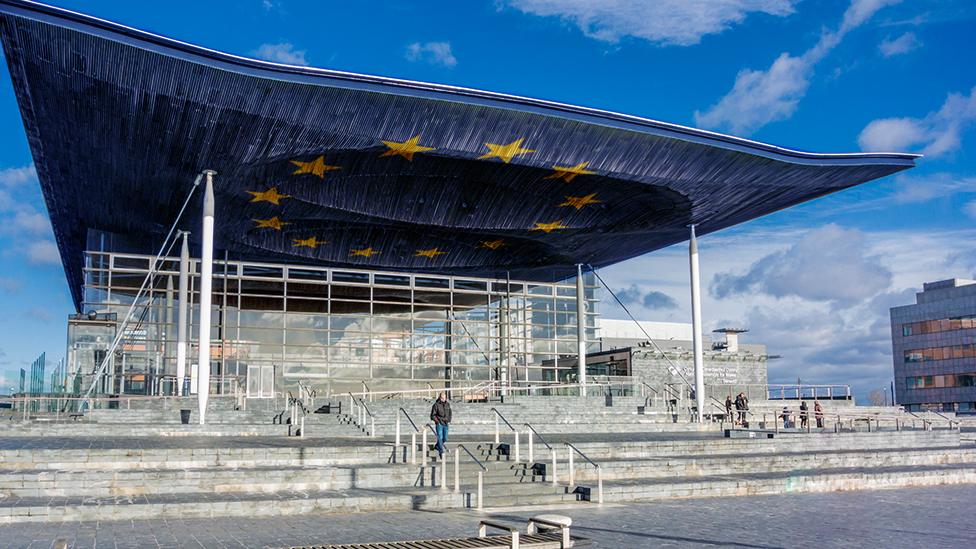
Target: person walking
x=745, y=410
x=804, y=414
x=786, y=417
x=728, y=409
x=440, y=414
x=818, y=413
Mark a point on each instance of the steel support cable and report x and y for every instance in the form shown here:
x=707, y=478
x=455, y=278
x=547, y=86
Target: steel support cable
x=649, y=339
x=149, y=276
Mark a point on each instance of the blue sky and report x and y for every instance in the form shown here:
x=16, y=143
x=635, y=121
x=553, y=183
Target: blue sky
x=813, y=282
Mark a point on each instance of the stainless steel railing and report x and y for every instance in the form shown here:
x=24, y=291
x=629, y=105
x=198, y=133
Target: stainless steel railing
x=457, y=472
x=572, y=470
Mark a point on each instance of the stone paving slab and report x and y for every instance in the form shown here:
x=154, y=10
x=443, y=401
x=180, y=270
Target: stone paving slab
x=914, y=517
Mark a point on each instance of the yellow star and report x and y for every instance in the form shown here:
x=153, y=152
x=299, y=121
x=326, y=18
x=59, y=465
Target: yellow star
x=579, y=202
x=310, y=242
x=506, y=152
x=271, y=195
x=492, y=244
x=549, y=227
x=406, y=149
x=364, y=252
x=429, y=253
x=273, y=223
x=316, y=167
x=568, y=173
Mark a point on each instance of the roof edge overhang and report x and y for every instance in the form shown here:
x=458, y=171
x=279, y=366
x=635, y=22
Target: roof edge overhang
x=326, y=77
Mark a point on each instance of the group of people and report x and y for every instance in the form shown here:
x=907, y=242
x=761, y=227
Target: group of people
x=741, y=416
x=741, y=408
x=818, y=414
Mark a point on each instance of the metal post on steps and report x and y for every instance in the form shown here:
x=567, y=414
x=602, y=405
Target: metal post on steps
x=531, y=448
x=423, y=446
x=396, y=444
x=443, y=466
x=301, y=432
x=413, y=448
x=517, y=456
x=554, y=481
x=481, y=482
x=599, y=485
x=497, y=440
x=457, y=470
x=372, y=426
x=182, y=317
x=572, y=470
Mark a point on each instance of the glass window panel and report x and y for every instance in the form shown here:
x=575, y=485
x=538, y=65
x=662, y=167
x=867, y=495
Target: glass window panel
x=391, y=280
x=470, y=285
x=344, y=276
x=430, y=282
x=262, y=303
x=430, y=313
x=427, y=297
x=392, y=309
x=261, y=271
x=392, y=294
x=308, y=274
x=307, y=305
x=564, y=291
x=350, y=292
x=263, y=287
x=430, y=374
x=141, y=263
x=391, y=371
x=539, y=289
x=307, y=321
x=349, y=307
x=304, y=289
x=339, y=354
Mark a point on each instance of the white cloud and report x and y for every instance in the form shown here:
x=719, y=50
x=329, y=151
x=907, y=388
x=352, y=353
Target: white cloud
x=666, y=22
x=11, y=177
x=43, y=252
x=933, y=135
x=28, y=221
x=970, y=208
x=284, y=52
x=855, y=274
x=890, y=47
x=435, y=53
x=759, y=97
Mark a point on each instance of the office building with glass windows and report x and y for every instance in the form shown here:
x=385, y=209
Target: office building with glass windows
x=934, y=347
x=362, y=229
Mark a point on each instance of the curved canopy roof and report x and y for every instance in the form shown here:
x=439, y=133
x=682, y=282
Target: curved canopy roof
x=341, y=169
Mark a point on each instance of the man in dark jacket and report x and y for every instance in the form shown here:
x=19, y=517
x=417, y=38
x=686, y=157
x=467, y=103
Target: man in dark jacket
x=440, y=414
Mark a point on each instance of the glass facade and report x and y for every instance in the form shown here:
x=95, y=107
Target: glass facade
x=939, y=381
x=274, y=324
x=937, y=326
x=940, y=353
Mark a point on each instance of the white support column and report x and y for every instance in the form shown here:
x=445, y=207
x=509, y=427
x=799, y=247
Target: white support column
x=696, y=328
x=167, y=334
x=182, y=318
x=206, y=288
x=580, y=330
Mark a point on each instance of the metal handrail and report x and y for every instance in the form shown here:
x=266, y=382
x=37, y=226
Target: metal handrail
x=572, y=473
x=473, y=457
x=415, y=428
x=542, y=440
x=457, y=472
x=499, y=414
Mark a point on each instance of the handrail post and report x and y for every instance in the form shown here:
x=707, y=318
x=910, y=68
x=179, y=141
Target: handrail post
x=457, y=470
x=496, y=426
x=372, y=426
x=517, y=457
x=572, y=472
x=443, y=466
x=554, y=481
x=423, y=446
x=599, y=485
x=531, y=448
x=481, y=480
x=396, y=443
x=413, y=448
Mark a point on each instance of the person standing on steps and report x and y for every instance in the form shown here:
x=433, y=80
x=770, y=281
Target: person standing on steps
x=804, y=414
x=440, y=414
x=728, y=409
x=818, y=413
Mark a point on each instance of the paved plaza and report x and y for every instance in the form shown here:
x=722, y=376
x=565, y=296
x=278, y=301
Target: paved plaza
x=913, y=517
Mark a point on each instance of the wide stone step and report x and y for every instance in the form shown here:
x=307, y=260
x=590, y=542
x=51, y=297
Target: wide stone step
x=207, y=505
x=826, y=480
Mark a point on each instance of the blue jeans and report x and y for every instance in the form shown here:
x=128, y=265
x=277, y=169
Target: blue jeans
x=441, y=430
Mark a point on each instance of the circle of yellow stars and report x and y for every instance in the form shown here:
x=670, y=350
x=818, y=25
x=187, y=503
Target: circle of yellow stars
x=407, y=149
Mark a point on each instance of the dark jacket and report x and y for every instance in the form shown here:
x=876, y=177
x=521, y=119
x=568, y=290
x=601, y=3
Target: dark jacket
x=440, y=412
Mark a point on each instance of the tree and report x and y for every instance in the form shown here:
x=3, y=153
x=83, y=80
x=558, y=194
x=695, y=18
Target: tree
x=877, y=398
